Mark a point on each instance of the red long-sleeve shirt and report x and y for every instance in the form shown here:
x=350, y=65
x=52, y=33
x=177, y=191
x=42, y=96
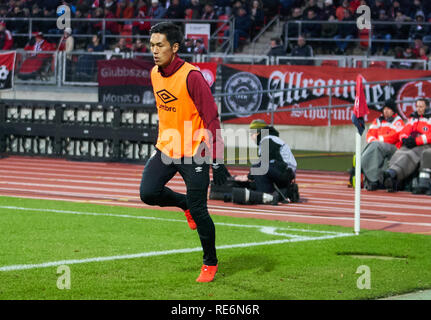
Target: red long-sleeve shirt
x=386, y=131
x=200, y=93
x=418, y=127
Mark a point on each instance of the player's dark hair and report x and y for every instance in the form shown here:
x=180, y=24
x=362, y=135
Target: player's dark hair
x=171, y=31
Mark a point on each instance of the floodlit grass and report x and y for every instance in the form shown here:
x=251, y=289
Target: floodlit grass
x=312, y=268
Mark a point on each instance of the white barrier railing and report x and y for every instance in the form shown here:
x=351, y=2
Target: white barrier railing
x=80, y=67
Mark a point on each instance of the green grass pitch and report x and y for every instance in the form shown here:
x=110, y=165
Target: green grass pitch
x=128, y=253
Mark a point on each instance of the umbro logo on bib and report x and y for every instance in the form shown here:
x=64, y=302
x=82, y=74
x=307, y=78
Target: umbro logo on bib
x=166, y=96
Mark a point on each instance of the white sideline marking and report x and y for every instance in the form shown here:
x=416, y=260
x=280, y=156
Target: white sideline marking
x=264, y=229
x=161, y=253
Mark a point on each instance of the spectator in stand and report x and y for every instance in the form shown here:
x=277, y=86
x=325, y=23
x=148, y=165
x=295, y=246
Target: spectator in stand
x=236, y=5
x=312, y=29
x=415, y=7
x=18, y=26
x=142, y=6
x=382, y=142
x=223, y=7
x=379, y=5
x=419, y=51
x=139, y=47
x=392, y=12
x=188, y=46
x=242, y=27
x=419, y=29
x=276, y=48
x=423, y=54
x=6, y=39
x=302, y=50
x=340, y=11
x=401, y=30
x=286, y=7
x=257, y=17
x=175, y=10
x=111, y=26
x=3, y=12
x=125, y=10
x=36, y=64
x=121, y=46
x=417, y=45
x=199, y=47
x=111, y=5
x=354, y=4
x=312, y=6
x=406, y=53
x=416, y=146
x=328, y=10
x=329, y=31
x=293, y=28
x=96, y=27
x=142, y=26
x=36, y=13
x=156, y=11
x=196, y=9
x=209, y=12
x=347, y=32
x=86, y=66
x=67, y=42
x=39, y=43
x=382, y=32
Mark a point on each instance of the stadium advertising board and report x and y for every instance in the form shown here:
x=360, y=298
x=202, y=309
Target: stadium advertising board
x=7, y=67
x=125, y=81
x=128, y=80
x=238, y=79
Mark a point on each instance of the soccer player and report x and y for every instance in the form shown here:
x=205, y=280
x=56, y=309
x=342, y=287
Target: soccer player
x=188, y=126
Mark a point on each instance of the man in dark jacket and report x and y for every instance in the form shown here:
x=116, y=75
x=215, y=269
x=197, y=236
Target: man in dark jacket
x=276, y=183
x=302, y=49
x=276, y=48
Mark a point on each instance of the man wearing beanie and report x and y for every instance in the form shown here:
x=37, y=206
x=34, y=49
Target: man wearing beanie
x=383, y=141
x=278, y=181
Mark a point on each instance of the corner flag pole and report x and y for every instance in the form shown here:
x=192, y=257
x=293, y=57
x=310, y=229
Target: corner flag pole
x=357, y=225
x=360, y=109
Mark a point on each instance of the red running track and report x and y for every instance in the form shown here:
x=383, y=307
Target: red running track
x=325, y=197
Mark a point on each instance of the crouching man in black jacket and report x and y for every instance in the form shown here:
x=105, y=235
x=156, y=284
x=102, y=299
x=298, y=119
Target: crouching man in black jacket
x=274, y=184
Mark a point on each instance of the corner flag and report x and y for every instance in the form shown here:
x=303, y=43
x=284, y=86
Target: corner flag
x=360, y=108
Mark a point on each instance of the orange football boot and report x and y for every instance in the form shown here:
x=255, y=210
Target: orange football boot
x=207, y=273
x=190, y=221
